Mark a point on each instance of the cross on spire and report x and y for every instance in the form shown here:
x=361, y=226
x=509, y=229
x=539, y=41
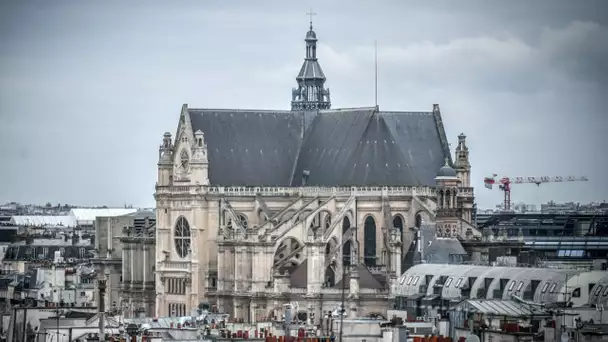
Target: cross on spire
x=310, y=14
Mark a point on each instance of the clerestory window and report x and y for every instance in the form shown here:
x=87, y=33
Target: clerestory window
x=182, y=237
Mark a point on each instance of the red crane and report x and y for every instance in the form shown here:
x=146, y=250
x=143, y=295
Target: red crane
x=504, y=183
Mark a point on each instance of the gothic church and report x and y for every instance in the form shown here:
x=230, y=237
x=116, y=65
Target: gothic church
x=260, y=208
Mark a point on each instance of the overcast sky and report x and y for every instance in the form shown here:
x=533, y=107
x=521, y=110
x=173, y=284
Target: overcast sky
x=87, y=88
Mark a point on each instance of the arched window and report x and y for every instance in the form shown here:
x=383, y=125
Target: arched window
x=347, y=245
x=327, y=221
x=244, y=222
x=182, y=237
x=418, y=220
x=369, y=240
x=345, y=224
x=398, y=223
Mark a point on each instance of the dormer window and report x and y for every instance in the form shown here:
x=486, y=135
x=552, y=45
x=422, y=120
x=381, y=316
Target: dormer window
x=545, y=288
x=447, y=283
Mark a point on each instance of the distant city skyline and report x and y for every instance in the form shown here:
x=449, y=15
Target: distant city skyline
x=88, y=88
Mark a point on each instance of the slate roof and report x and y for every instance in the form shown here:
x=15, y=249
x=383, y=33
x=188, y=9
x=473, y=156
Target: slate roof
x=439, y=249
x=299, y=278
x=311, y=69
x=339, y=147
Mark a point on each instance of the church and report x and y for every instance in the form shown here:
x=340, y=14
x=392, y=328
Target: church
x=312, y=206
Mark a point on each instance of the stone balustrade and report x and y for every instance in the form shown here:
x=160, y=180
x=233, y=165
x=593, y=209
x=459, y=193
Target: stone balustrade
x=174, y=266
x=312, y=191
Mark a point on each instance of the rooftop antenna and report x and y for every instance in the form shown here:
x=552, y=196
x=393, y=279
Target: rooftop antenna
x=376, y=74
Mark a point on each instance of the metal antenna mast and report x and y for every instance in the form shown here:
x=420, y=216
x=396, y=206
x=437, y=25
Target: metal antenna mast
x=310, y=14
x=376, y=73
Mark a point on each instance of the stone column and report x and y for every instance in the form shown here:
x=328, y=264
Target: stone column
x=126, y=272
x=188, y=283
x=220, y=268
x=315, y=266
x=238, y=263
x=353, y=290
x=139, y=259
x=132, y=264
x=146, y=275
x=259, y=269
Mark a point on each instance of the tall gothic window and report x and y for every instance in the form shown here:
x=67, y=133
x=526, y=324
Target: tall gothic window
x=369, y=239
x=182, y=237
x=346, y=253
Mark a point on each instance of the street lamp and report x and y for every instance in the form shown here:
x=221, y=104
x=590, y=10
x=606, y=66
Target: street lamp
x=345, y=258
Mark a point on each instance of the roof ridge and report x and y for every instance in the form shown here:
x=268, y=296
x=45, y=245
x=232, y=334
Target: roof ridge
x=347, y=108
x=404, y=112
x=233, y=110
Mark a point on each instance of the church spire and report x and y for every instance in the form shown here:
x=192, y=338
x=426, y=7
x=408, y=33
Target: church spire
x=311, y=93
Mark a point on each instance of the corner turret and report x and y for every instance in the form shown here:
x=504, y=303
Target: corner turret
x=165, y=161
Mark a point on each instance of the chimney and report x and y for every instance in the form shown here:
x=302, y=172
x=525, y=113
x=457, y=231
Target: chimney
x=305, y=175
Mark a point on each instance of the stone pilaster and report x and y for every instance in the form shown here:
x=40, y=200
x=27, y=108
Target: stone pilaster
x=239, y=254
x=220, y=268
x=126, y=271
x=353, y=286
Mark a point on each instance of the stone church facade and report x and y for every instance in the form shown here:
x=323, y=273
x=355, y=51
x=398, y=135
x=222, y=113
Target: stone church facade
x=315, y=206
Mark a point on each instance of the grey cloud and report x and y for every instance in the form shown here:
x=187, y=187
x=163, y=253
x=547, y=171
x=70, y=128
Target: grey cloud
x=88, y=88
x=577, y=52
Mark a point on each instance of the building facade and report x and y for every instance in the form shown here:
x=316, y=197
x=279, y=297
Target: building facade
x=256, y=208
x=125, y=259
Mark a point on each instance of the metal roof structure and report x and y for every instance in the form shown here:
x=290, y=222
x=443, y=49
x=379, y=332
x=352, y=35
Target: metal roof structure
x=88, y=215
x=599, y=293
x=508, y=308
x=542, y=285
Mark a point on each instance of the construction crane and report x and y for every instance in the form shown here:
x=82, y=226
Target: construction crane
x=505, y=183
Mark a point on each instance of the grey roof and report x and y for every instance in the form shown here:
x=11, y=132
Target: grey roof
x=248, y=147
x=436, y=249
x=348, y=147
x=311, y=69
x=299, y=278
x=142, y=214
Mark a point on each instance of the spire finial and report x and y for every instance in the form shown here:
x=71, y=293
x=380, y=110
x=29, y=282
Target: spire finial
x=310, y=14
x=447, y=161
